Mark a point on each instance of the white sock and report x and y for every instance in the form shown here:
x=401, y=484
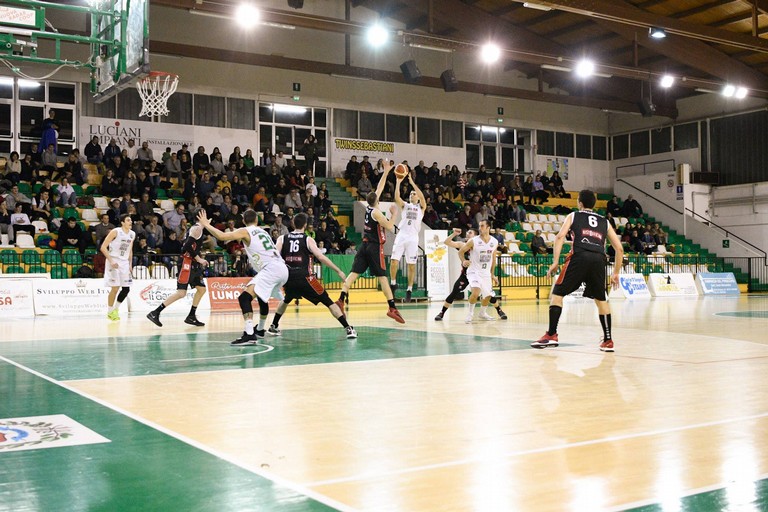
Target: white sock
x=471, y=309
x=114, y=306
x=484, y=311
x=262, y=321
x=393, y=281
x=410, y=288
x=249, y=327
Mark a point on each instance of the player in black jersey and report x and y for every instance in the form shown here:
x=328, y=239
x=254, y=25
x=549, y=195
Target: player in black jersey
x=462, y=282
x=298, y=251
x=191, y=274
x=370, y=256
x=585, y=264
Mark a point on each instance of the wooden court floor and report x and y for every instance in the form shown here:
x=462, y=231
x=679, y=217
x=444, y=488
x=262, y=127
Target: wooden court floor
x=425, y=416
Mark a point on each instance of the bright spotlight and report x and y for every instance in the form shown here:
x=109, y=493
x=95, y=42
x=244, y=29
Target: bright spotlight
x=729, y=91
x=585, y=68
x=247, y=15
x=667, y=81
x=657, y=33
x=490, y=53
x=741, y=92
x=377, y=35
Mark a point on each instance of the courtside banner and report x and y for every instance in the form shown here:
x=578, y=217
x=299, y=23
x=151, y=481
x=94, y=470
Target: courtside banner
x=631, y=286
x=438, y=269
x=672, y=285
x=67, y=297
x=147, y=294
x=717, y=283
x=16, y=298
x=224, y=291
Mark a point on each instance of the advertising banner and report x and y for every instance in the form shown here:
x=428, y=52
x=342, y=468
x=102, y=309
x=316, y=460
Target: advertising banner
x=717, y=283
x=631, y=286
x=438, y=268
x=672, y=285
x=16, y=298
x=224, y=291
x=147, y=294
x=70, y=297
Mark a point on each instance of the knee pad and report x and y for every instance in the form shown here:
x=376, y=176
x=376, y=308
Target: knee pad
x=449, y=299
x=245, y=300
x=263, y=307
x=123, y=294
x=494, y=299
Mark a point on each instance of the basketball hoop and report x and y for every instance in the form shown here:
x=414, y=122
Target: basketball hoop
x=155, y=89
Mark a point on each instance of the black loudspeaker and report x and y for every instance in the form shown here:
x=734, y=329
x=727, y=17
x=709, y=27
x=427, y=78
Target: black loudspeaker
x=647, y=108
x=450, y=84
x=410, y=71
x=296, y=4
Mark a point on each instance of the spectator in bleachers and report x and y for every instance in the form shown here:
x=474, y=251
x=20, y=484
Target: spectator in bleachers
x=111, y=151
x=145, y=186
x=102, y=229
x=6, y=226
x=171, y=248
x=184, y=151
x=49, y=160
x=71, y=235
x=293, y=200
x=111, y=185
x=239, y=190
x=50, y=135
x=631, y=208
x=93, y=152
x=42, y=207
x=364, y=186
x=200, y=160
x=235, y=155
x=145, y=207
x=248, y=161
x=130, y=183
x=528, y=189
x=206, y=185
x=311, y=187
x=660, y=236
x=153, y=173
x=648, y=241
x=280, y=160
x=216, y=196
x=539, y=194
x=277, y=225
x=67, y=195
x=224, y=182
x=29, y=169
x=166, y=155
x=132, y=150
x=322, y=203
x=465, y=218
x=15, y=197
x=181, y=231
x=145, y=155
x=483, y=214
x=72, y=170
x=431, y=218
x=613, y=207
x=310, y=152
x=155, y=232
x=119, y=166
x=323, y=234
x=217, y=165
x=20, y=221
x=141, y=254
x=635, y=244
x=539, y=245
x=125, y=202
x=225, y=208
x=185, y=163
x=172, y=219
x=352, y=170
x=172, y=168
x=212, y=210
x=556, y=186
x=13, y=168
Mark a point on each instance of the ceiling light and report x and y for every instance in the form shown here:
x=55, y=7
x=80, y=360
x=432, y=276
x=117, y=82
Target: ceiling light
x=247, y=15
x=490, y=53
x=729, y=91
x=538, y=7
x=585, y=68
x=290, y=109
x=667, y=81
x=29, y=83
x=556, y=68
x=741, y=92
x=657, y=33
x=433, y=48
x=377, y=35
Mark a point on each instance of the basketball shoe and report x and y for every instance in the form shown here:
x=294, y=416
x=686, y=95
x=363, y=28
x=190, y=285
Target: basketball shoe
x=469, y=319
x=548, y=340
x=274, y=331
x=486, y=316
x=395, y=315
x=351, y=332
x=606, y=345
x=247, y=339
x=154, y=317
x=502, y=314
x=113, y=315
x=408, y=295
x=192, y=320
x=439, y=317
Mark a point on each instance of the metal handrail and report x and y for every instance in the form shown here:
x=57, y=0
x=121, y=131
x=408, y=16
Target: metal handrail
x=728, y=233
x=648, y=195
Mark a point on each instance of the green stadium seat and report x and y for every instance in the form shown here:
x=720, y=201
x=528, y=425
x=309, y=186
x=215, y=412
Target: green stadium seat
x=14, y=269
x=72, y=258
x=30, y=257
x=71, y=212
x=9, y=257
x=25, y=188
x=59, y=272
x=36, y=269
x=52, y=257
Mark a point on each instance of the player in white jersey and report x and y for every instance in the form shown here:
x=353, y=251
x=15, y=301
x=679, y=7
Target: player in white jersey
x=407, y=238
x=118, y=249
x=481, y=269
x=272, y=273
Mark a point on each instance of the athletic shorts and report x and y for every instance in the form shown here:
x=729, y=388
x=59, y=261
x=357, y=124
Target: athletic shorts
x=269, y=281
x=120, y=276
x=369, y=257
x=189, y=276
x=408, y=245
x=582, y=267
x=309, y=288
x=482, y=281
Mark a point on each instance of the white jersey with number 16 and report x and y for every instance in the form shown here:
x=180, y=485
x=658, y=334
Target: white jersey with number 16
x=261, y=251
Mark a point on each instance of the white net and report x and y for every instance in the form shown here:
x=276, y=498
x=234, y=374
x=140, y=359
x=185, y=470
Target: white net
x=155, y=91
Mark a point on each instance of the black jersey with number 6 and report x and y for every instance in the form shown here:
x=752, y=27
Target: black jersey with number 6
x=297, y=255
x=589, y=230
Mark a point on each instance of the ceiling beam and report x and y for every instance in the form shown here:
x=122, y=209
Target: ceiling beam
x=625, y=13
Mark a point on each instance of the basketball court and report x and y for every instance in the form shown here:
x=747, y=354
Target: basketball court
x=423, y=416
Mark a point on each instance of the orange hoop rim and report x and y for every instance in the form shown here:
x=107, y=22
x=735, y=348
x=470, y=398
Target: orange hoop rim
x=159, y=74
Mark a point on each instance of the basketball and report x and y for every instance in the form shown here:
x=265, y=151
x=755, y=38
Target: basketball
x=401, y=171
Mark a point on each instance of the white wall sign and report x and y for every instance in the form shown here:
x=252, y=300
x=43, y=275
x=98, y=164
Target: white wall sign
x=146, y=295
x=16, y=298
x=666, y=285
x=70, y=297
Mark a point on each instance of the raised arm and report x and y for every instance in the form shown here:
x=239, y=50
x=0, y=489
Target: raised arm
x=238, y=234
x=399, y=200
x=450, y=242
x=383, y=220
x=419, y=193
x=383, y=180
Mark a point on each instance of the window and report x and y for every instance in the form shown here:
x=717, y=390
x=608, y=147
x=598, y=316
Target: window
x=489, y=134
x=241, y=114
x=686, y=136
x=5, y=120
x=371, y=126
x=599, y=148
x=620, y=147
x=31, y=120
x=398, y=128
x=209, y=110
x=639, y=143
x=320, y=117
x=32, y=92
x=265, y=113
x=345, y=123
x=473, y=156
x=564, y=144
x=265, y=137
x=428, y=131
x=546, y=142
x=292, y=114
x=661, y=140
x=452, y=134
x=61, y=93
x=6, y=89
x=583, y=146
x=472, y=132
x=180, y=107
